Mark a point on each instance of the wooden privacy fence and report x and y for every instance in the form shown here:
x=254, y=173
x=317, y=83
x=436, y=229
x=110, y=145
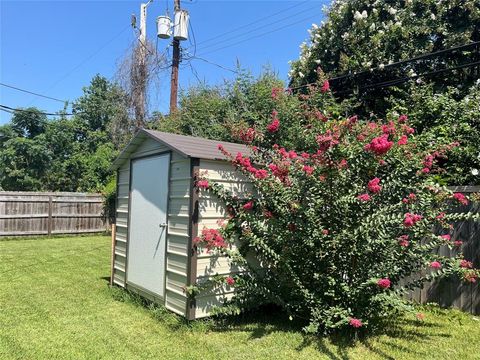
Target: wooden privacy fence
x=45, y=213
x=454, y=292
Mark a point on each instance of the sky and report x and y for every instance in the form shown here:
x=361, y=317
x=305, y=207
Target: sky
x=55, y=47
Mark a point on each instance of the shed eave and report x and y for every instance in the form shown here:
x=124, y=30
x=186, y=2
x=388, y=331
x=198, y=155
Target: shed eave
x=140, y=136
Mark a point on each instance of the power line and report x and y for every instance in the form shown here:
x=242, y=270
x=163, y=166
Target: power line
x=13, y=110
x=88, y=58
x=262, y=34
x=252, y=23
x=33, y=93
x=255, y=29
x=212, y=63
x=419, y=57
x=397, y=80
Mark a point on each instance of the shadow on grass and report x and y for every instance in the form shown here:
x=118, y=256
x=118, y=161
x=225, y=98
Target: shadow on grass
x=270, y=319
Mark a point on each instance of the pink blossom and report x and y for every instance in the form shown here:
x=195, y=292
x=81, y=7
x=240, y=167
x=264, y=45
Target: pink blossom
x=435, y=265
x=276, y=92
x=446, y=237
x=470, y=277
x=374, y=185
x=261, y=174
x=327, y=140
x=364, y=197
x=425, y=170
x=403, y=240
x=356, y=323
x=440, y=216
x=230, y=280
x=308, y=169
x=248, y=205
x=403, y=140
x=325, y=86
x=384, y=283
x=318, y=115
x=343, y=164
x=411, y=219
x=202, y=184
x=273, y=126
x=379, y=145
x=460, y=198
x=325, y=232
x=402, y=118
x=457, y=243
x=466, y=264
x=305, y=155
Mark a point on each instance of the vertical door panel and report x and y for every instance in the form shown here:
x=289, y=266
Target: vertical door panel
x=148, y=219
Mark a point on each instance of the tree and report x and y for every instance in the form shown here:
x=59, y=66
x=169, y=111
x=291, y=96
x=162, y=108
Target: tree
x=364, y=39
x=29, y=122
x=104, y=107
x=341, y=225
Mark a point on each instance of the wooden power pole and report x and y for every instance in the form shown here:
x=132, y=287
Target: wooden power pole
x=175, y=64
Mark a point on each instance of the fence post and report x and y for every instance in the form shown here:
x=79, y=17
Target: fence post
x=49, y=224
x=112, y=268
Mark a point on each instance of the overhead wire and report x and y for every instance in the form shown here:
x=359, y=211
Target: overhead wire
x=32, y=93
x=86, y=59
x=290, y=16
x=419, y=57
x=253, y=22
x=13, y=110
x=260, y=35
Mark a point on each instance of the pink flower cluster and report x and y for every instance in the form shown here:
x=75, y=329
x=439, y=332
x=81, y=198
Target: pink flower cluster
x=403, y=240
x=248, y=206
x=308, y=170
x=410, y=198
x=466, y=264
x=230, y=280
x=247, y=135
x=276, y=92
x=379, y=145
x=374, y=185
x=275, y=124
x=384, y=283
x=460, y=198
x=403, y=140
x=435, y=265
x=325, y=86
x=327, y=140
x=210, y=238
x=364, y=197
x=202, y=184
x=356, y=323
x=411, y=219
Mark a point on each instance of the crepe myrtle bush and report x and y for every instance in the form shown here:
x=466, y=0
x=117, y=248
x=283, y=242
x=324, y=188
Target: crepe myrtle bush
x=337, y=233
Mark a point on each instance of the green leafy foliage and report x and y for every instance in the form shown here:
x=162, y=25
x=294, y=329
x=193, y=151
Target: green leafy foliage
x=341, y=226
x=370, y=36
x=63, y=154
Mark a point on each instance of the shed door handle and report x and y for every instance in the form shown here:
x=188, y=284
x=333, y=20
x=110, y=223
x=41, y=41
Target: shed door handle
x=163, y=225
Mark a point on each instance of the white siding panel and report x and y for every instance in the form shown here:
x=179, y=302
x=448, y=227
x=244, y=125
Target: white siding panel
x=176, y=302
x=205, y=304
x=211, y=210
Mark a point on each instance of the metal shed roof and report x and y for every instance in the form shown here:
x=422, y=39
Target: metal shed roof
x=188, y=146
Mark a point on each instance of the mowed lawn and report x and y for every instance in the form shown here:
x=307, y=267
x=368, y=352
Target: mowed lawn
x=55, y=303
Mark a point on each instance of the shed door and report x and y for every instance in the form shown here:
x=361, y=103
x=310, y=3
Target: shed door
x=147, y=227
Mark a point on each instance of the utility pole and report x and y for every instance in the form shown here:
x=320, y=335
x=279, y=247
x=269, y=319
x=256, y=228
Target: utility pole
x=175, y=63
x=140, y=88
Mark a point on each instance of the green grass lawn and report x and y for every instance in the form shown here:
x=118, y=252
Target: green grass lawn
x=55, y=303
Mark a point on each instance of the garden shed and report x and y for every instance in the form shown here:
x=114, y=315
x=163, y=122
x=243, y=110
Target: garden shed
x=159, y=212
